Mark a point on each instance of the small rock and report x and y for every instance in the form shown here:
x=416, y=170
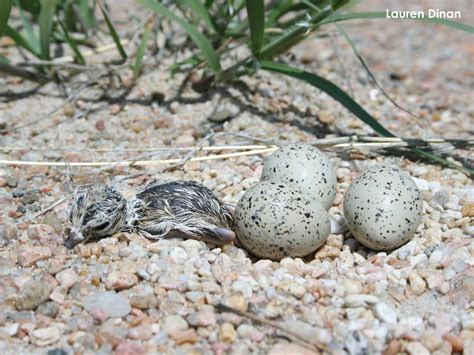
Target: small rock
x=227, y=333
x=43, y=233
x=237, y=301
x=173, y=324
x=185, y=336
x=120, y=280
x=356, y=343
x=29, y=255
x=393, y=348
x=326, y=117
x=58, y=295
x=385, y=313
x=12, y=181
x=417, y=284
x=468, y=209
x=220, y=116
x=32, y=294
x=290, y=348
x=360, y=300
x=18, y=192
x=431, y=340
x=8, y=232
x=143, y=297
x=67, y=278
x=202, y=318
x=455, y=341
x=29, y=198
x=129, y=348
x=100, y=124
x=48, y=309
x=417, y=348
x=292, y=288
x=47, y=336
x=113, y=304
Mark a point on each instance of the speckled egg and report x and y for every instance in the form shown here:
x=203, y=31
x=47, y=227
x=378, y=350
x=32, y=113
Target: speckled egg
x=304, y=166
x=383, y=208
x=275, y=220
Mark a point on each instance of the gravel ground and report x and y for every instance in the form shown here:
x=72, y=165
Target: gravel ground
x=129, y=295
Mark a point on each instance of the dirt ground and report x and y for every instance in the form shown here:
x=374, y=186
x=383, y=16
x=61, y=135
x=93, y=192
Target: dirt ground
x=163, y=295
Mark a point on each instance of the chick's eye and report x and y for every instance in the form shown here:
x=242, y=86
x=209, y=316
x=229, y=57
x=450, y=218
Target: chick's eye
x=101, y=226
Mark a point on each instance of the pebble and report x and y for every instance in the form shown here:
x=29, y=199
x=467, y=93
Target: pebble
x=8, y=232
x=360, y=300
x=417, y=284
x=129, y=348
x=173, y=324
x=292, y=288
x=67, y=278
x=290, y=348
x=29, y=255
x=202, y=318
x=32, y=294
x=356, y=343
x=385, y=313
x=220, y=116
x=227, y=333
x=455, y=341
x=47, y=336
x=417, y=348
x=120, y=280
x=113, y=304
x=48, y=309
x=18, y=192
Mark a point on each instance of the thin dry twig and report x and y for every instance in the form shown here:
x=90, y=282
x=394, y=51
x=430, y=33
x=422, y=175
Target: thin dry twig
x=109, y=164
x=47, y=209
x=306, y=343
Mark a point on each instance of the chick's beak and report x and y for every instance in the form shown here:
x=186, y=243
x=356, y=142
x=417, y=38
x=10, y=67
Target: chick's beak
x=73, y=239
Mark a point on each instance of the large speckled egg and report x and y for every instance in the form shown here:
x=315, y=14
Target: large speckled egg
x=304, y=166
x=383, y=208
x=275, y=220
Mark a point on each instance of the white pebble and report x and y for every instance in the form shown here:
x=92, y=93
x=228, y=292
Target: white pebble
x=418, y=259
x=421, y=183
x=385, y=313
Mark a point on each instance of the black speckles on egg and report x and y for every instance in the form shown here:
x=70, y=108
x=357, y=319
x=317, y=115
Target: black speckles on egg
x=280, y=221
x=304, y=166
x=383, y=208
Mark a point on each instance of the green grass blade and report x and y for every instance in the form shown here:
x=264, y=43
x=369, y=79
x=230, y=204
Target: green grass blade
x=256, y=17
x=86, y=14
x=371, y=75
x=201, y=12
x=383, y=15
x=332, y=90
x=196, y=36
x=5, y=8
x=112, y=30
x=77, y=53
x=137, y=66
x=45, y=20
x=21, y=41
x=28, y=26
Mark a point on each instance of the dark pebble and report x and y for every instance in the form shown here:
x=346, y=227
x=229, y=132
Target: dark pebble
x=21, y=209
x=18, y=192
x=57, y=352
x=29, y=198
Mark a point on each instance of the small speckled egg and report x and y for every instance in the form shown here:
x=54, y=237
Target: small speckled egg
x=383, y=208
x=275, y=220
x=305, y=166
